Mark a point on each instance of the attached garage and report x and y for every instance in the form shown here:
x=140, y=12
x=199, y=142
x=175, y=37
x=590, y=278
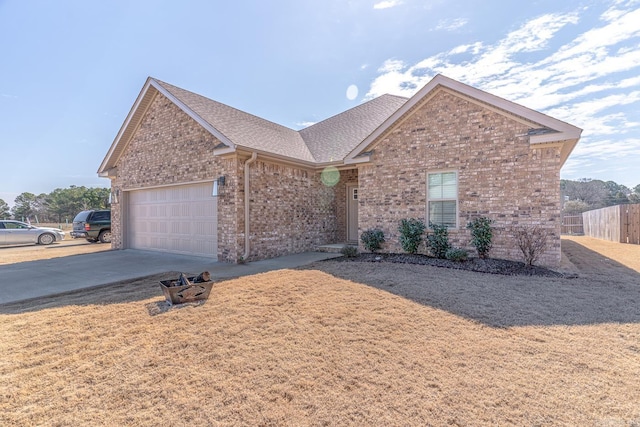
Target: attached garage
x=178, y=219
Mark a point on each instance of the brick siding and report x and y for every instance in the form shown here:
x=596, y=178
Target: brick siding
x=499, y=175
x=170, y=148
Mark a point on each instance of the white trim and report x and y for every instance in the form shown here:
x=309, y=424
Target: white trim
x=359, y=159
x=223, y=151
x=567, y=133
x=173, y=184
x=116, y=142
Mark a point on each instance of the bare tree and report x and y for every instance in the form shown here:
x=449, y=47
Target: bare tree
x=592, y=192
x=532, y=241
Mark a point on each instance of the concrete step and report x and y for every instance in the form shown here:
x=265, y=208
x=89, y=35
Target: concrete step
x=332, y=248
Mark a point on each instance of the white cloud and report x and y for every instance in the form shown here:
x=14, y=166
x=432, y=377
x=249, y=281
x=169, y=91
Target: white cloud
x=590, y=79
x=451, y=24
x=386, y=4
x=303, y=125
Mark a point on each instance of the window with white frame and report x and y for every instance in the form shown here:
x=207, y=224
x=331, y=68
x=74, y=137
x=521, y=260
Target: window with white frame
x=442, y=198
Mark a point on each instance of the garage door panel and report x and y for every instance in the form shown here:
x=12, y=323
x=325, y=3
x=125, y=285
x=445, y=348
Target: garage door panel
x=180, y=219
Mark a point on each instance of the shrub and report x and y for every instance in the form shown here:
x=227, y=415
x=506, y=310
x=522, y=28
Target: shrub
x=411, y=231
x=372, y=239
x=349, y=251
x=456, y=254
x=438, y=240
x=481, y=235
x=532, y=241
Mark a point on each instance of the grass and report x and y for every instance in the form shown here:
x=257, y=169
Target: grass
x=327, y=346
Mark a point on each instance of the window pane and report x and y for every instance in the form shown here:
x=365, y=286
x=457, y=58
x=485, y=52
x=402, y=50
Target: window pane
x=449, y=185
x=442, y=185
x=435, y=186
x=443, y=213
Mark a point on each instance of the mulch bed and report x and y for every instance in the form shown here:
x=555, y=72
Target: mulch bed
x=488, y=265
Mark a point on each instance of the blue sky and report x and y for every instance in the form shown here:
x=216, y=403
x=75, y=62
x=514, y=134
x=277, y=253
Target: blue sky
x=71, y=70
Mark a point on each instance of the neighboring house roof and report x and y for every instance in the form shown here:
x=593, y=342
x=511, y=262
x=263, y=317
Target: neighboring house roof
x=548, y=130
x=344, y=138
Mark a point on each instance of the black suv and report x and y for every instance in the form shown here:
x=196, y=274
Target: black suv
x=93, y=225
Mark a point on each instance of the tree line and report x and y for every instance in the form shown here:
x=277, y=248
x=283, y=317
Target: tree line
x=587, y=194
x=61, y=205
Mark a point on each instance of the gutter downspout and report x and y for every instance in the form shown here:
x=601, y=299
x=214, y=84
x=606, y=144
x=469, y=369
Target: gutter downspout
x=247, y=247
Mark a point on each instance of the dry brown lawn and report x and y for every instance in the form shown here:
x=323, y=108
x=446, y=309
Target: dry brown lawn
x=333, y=344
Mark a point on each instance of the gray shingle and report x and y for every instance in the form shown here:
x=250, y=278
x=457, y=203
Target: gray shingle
x=327, y=141
x=244, y=129
x=332, y=139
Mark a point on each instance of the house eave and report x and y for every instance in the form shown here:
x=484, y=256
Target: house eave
x=563, y=131
x=129, y=127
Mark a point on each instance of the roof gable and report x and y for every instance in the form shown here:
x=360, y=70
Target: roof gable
x=239, y=128
x=554, y=130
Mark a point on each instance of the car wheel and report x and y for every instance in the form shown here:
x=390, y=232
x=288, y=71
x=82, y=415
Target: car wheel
x=46, y=239
x=105, y=236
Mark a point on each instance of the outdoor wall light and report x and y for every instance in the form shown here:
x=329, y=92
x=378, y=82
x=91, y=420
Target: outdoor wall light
x=114, y=195
x=217, y=186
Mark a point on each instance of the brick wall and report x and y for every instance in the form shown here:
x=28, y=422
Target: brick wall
x=169, y=147
x=499, y=175
x=291, y=210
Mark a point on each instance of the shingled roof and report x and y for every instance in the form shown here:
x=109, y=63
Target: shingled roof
x=244, y=129
x=345, y=138
x=332, y=139
x=327, y=141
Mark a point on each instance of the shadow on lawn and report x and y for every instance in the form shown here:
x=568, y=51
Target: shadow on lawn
x=604, y=292
x=125, y=291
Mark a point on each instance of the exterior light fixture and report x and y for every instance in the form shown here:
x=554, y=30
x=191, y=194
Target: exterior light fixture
x=114, y=195
x=217, y=186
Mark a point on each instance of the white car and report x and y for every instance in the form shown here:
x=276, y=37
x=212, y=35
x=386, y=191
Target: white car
x=19, y=233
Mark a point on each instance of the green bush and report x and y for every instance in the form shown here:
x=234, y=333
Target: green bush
x=372, y=239
x=481, y=235
x=411, y=231
x=438, y=240
x=456, y=254
x=349, y=251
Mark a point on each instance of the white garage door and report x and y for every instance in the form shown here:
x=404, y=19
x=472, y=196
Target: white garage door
x=179, y=219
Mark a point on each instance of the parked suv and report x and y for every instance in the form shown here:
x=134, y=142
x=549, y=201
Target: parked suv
x=93, y=225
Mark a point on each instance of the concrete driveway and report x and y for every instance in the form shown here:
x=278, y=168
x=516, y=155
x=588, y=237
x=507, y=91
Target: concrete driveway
x=35, y=279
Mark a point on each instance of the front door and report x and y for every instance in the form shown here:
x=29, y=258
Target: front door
x=352, y=213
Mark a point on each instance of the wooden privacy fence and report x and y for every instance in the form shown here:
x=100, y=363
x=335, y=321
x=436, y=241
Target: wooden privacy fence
x=572, y=224
x=620, y=223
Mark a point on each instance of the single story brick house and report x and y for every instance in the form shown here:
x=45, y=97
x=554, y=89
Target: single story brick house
x=190, y=175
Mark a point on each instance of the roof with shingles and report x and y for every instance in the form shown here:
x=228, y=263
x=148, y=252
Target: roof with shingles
x=243, y=129
x=344, y=137
x=332, y=139
x=326, y=141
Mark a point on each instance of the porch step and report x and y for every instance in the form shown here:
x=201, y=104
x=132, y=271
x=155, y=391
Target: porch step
x=332, y=248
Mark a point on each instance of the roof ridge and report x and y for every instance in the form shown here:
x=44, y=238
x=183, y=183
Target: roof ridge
x=353, y=108
x=291, y=141
x=223, y=104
